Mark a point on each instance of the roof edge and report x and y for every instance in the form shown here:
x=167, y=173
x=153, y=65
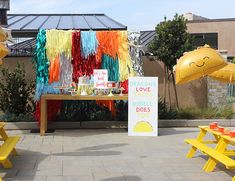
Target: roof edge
x=57, y=14
x=211, y=20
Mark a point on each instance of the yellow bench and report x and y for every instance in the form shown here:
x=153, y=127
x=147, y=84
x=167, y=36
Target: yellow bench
x=6, y=149
x=228, y=162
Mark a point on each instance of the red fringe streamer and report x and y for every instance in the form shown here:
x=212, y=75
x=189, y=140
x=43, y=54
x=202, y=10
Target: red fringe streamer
x=81, y=66
x=53, y=107
x=125, y=86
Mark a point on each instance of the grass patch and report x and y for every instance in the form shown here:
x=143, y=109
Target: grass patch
x=206, y=113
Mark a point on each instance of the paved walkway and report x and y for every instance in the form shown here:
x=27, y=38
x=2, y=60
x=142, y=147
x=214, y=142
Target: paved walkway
x=108, y=155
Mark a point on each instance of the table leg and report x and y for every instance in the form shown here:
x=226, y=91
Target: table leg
x=211, y=163
x=193, y=149
x=43, y=117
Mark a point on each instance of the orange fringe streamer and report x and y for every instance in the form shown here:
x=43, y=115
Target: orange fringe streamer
x=108, y=44
x=54, y=70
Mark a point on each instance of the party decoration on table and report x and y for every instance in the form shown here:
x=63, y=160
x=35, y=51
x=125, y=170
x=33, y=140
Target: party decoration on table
x=213, y=125
x=221, y=129
x=198, y=63
x=121, y=91
x=111, y=85
x=124, y=84
x=232, y=134
x=84, y=83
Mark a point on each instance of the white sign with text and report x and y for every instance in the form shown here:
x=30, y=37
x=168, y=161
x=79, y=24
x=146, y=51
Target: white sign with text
x=143, y=106
x=100, y=78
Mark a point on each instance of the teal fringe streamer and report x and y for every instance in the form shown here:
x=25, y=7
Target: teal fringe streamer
x=38, y=91
x=113, y=67
x=49, y=88
x=42, y=88
x=89, y=43
x=41, y=64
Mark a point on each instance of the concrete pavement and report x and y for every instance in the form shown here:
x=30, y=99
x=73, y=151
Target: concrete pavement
x=108, y=155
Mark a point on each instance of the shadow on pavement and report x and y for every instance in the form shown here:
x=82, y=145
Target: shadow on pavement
x=174, y=131
x=25, y=166
x=134, y=178
x=89, y=153
x=101, y=147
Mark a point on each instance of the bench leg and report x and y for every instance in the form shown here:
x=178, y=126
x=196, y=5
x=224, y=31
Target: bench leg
x=193, y=149
x=14, y=152
x=211, y=163
x=7, y=164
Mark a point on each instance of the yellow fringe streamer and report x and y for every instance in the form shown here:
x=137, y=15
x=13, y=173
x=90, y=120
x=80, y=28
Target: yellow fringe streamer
x=58, y=41
x=125, y=64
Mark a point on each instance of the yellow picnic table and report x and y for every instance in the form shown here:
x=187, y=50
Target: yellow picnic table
x=220, y=153
x=7, y=147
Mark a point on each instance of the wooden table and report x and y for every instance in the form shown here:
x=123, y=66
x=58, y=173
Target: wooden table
x=46, y=97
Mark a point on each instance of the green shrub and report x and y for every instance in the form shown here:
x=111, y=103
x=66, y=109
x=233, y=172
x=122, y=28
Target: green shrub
x=83, y=111
x=16, y=91
x=121, y=110
x=164, y=112
x=206, y=113
x=10, y=117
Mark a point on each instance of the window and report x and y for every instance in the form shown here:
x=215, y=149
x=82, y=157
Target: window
x=200, y=39
x=22, y=47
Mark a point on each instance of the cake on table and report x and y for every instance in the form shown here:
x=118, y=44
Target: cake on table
x=84, y=80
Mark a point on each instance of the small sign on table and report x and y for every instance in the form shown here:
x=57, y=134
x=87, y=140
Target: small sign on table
x=100, y=78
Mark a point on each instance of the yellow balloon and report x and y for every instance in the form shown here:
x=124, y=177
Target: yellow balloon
x=143, y=127
x=3, y=35
x=198, y=63
x=226, y=74
x=3, y=50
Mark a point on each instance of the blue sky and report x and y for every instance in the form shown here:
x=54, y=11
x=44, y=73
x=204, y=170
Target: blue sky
x=136, y=14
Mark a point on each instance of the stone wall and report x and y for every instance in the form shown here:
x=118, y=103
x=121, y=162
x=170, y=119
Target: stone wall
x=217, y=91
